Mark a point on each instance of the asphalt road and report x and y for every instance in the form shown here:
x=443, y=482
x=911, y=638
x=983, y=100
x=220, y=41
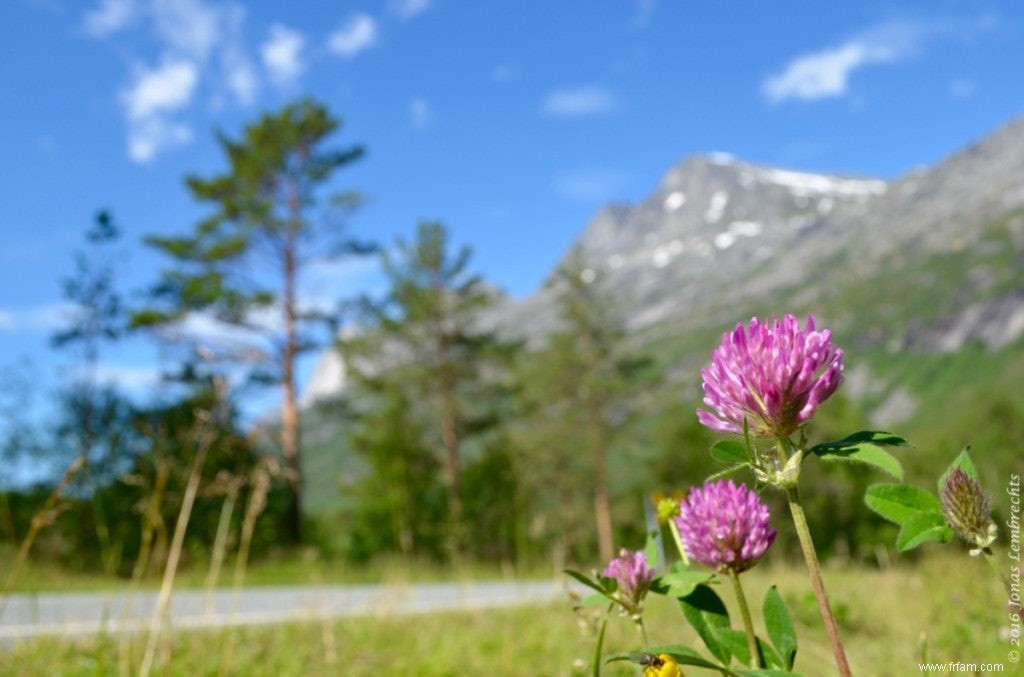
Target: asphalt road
x=86, y=613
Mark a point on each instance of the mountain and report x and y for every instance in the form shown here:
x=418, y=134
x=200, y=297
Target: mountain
x=921, y=279
x=714, y=231
x=719, y=233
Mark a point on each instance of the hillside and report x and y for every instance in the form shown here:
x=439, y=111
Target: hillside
x=921, y=279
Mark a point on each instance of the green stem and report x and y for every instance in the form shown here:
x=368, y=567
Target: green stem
x=600, y=642
x=748, y=624
x=639, y=621
x=814, y=568
x=679, y=541
x=991, y=559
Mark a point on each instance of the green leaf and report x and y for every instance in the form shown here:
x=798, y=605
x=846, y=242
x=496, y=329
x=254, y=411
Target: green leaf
x=962, y=461
x=585, y=581
x=730, y=451
x=864, y=447
x=600, y=644
x=735, y=641
x=780, y=626
x=651, y=546
x=926, y=526
x=704, y=610
x=728, y=471
x=684, y=655
x=771, y=656
x=899, y=502
x=765, y=672
x=860, y=452
x=875, y=437
x=679, y=582
x=613, y=657
x=593, y=599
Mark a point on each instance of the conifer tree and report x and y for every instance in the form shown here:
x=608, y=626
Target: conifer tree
x=427, y=337
x=577, y=390
x=243, y=264
x=93, y=418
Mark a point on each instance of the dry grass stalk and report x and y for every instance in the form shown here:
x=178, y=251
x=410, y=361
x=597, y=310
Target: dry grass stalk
x=259, y=488
x=207, y=425
x=230, y=485
x=152, y=522
x=44, y=517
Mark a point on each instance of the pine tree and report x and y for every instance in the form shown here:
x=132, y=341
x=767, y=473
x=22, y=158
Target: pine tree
x=246, y=259
x=426, y=337
x=577, y=390
x=93, y=419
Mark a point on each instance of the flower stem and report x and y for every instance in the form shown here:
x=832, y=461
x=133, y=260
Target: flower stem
x=814, y=568
x=641, y=629
x=679, y=541
x=748, y=624
x=600, y=643
x=991, y=559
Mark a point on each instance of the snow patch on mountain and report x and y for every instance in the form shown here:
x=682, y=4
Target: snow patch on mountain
x=803, y=184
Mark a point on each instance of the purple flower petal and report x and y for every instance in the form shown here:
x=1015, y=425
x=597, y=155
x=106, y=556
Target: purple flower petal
x=773, y=375
x=633, y=575
x=724, y=526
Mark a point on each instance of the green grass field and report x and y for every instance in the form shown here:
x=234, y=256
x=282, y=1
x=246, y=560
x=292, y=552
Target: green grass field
x=948, y=602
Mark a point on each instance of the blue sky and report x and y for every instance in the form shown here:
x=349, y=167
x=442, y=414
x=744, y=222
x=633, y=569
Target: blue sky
x=511, y=120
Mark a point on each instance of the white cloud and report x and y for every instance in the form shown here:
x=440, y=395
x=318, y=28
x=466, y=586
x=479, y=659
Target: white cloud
x=47, y=317
x=167, y=87
x=129, y=377
x=190, y=27
x=826, y=73
x=358, y=33
x=407, y=9
x=579, y=101
x=109, y=17
x=149, y=103
x=239, y=76
x=420, y=114
x=821, y=75
x=147, y=138
x=282, y=54
x=590, y=184
x=200, y=48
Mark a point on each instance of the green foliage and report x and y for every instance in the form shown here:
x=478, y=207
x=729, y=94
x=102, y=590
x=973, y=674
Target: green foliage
x=579, y=400
x=422, y=363
x=706, y=613
x=780, y=626
x=399, y=505
x=918, y=512
x=864, y=447
x=249, y=254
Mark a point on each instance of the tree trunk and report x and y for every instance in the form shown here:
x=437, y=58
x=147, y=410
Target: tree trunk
x=289, y=405
x=450, y=440
x=597, y=439
x=449, y=432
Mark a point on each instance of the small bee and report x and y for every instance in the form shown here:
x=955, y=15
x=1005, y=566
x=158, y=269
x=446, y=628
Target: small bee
x=656, y=665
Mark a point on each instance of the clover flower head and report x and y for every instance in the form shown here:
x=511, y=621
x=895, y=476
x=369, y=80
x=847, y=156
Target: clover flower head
x=968, y=510
x=633, y=576
x=771, y=375
x=725, y=526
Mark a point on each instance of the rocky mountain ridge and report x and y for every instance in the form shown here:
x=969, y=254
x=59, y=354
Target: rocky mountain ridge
x=930, y=261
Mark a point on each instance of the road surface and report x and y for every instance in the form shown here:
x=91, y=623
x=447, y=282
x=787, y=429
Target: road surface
x=86, y=613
